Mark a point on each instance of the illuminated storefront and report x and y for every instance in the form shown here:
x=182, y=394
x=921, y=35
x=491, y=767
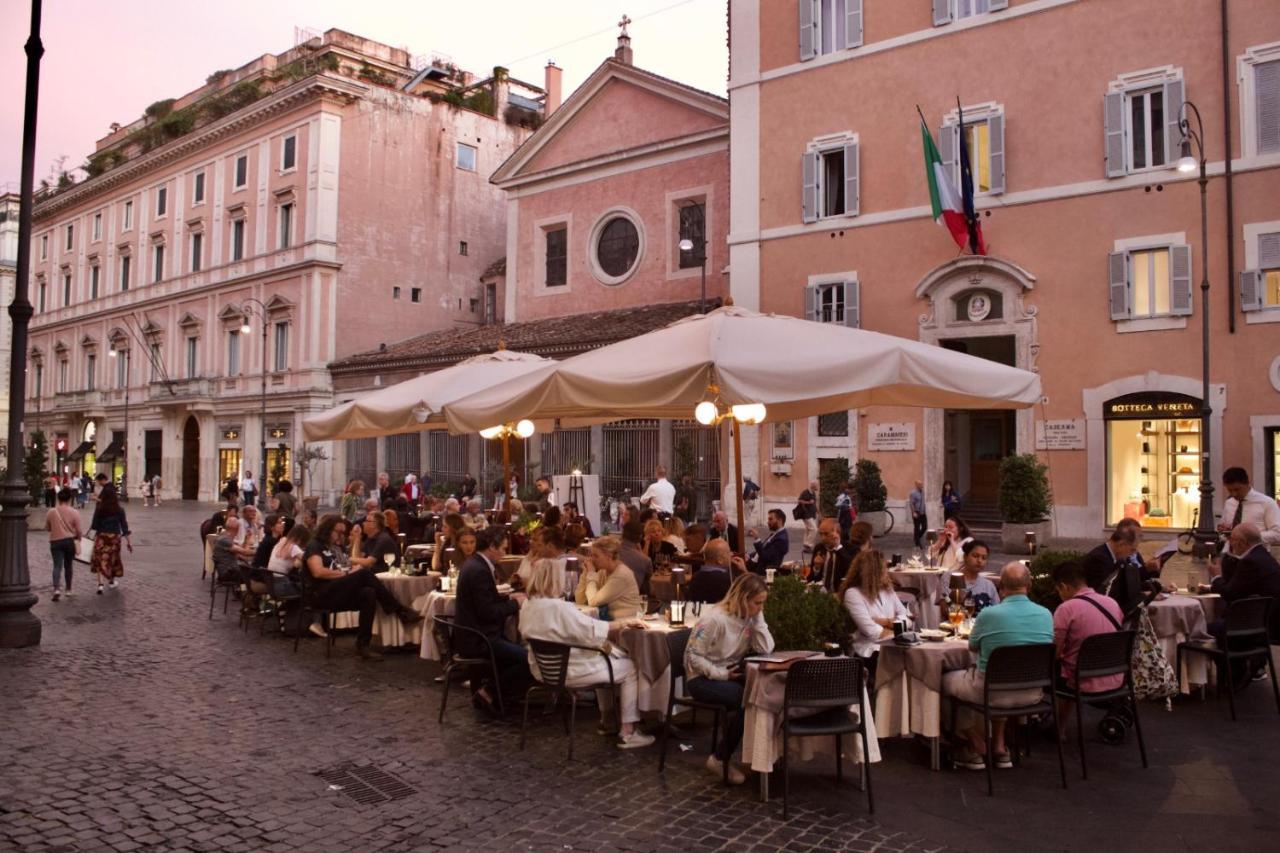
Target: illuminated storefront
x=1153, y=459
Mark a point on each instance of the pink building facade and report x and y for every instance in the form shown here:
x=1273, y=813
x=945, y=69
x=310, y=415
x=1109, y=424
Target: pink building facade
x=306, y=206
x=1094, y=239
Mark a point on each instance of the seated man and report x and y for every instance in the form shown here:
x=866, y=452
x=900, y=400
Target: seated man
x=249, y=532
x=771, y=550
x=571, y=515
x=1016, y=621
x=374, y=542
x=711, y=583
x=1082, y=614
x=474, y=517
x=695, y=539
x=1254, y=572
x=634, y=557
x=722, y=529
x=220, y=518
x=231, y=561
x=481, y=607
x=831, y=557
x=1108, y=568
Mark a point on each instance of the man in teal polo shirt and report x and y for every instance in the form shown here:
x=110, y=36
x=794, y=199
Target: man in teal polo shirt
x=1015, y=621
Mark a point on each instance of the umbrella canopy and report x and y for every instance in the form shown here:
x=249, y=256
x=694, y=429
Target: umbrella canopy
x=797, y=368
x=415, y=404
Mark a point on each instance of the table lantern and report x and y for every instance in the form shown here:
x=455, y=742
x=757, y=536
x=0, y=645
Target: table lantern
x=677, y=612
x=446, y=583
x=1029, y=537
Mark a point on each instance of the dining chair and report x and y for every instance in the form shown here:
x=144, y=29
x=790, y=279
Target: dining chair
x=1102, y=655
x=444, y=628
x=552, y=661
x=676, y=643
x=1245, y=639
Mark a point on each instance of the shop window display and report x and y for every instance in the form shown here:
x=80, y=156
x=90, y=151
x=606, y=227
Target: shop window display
x=1154, y=472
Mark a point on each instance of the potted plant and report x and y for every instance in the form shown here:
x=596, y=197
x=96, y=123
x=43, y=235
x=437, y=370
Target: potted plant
x=832, y=478
x=1041, y=568
x=869, y=494
x=801, y=616
x=1025, y=501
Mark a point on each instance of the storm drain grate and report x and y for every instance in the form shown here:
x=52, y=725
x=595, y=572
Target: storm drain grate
x=366, y=785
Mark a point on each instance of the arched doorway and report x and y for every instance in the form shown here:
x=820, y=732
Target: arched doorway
x=191, y=459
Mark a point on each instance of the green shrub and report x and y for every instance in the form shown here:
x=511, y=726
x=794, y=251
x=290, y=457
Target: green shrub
x=833, y=478
x=868, y=488
x=1024, y=489
x=1041, y=567
x=159, y=109
x=804, y=617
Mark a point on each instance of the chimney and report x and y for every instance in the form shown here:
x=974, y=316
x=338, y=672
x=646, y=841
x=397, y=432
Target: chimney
x=551, y=82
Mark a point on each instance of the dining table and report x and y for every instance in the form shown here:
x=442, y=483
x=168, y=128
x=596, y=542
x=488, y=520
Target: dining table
x=908, y=688
x=388, y=628
x=762, y=698
x=928, y=586
x=647, y=647
x=436, y=603
x=1177, y=618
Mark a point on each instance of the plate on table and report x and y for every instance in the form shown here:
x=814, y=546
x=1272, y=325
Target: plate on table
x=933, y=635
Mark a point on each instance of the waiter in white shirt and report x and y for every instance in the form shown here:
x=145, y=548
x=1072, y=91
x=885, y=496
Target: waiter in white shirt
x=1244, y=504
x=660, y=495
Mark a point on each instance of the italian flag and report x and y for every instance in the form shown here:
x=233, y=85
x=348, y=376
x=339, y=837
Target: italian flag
x=948, y=209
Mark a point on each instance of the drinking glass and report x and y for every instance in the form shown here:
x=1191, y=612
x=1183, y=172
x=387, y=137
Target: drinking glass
x=970, y=607
x=389, y=559
x=955, y=615
x=644, y=605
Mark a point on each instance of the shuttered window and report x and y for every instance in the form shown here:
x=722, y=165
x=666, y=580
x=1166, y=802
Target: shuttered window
x=830, y=185
x=827, y=26
x=1266, y=92
x=985, y=137
x=833, y=302
x=1260, y=288
x=1141, y=128
x=946, y=11
x=1152, y=282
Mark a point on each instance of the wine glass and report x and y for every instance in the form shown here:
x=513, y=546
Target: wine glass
x=955, y=615
x=389, y=559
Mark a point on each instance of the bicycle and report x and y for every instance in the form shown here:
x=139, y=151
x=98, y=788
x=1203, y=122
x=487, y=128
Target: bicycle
x=883, y=516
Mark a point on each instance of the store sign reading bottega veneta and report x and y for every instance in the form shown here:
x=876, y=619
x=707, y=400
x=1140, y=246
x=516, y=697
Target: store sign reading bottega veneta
x=1151, y=405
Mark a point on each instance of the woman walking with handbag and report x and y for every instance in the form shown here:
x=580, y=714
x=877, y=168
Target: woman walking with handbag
x=63, y=524
x=111, y=525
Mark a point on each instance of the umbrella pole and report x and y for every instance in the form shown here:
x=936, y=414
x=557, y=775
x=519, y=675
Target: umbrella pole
x=506, y=473
x=740, y=545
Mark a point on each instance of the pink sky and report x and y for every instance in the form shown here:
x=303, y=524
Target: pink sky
x=105, y=62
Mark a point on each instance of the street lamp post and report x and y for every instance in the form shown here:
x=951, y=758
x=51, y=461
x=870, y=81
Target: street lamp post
x=248, y=311
x=688, y=245
x=521, y=429
x=1186, y=164
x=711, y=412
x=19, y=627
x=124, y=464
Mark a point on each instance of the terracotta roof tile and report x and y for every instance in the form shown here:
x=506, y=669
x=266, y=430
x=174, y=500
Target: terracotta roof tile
x=495, y=269
x=556, y=337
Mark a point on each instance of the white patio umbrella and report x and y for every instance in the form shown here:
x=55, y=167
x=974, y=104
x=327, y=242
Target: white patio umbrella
x=732, y=357
x=416, y=404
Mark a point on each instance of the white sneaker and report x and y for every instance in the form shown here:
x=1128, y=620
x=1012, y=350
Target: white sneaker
x=67, y=592
x=100, y=589
x=635, y=740
x=318, y=630
x=113, y=583
x=57, y=593
x=716, y=766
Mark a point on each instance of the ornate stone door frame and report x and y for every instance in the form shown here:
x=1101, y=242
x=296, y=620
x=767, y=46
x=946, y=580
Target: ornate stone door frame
x=941, y=287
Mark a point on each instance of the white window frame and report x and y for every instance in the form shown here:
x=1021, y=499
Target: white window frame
x=121, y=359
x=948, y=11
x=42, y=293
x=67, y=284
x=236, y=243
x=975, y=114
x=126, y=223
x=236, y=184
x=126, y=272
x=593, y=261
x=1253, y=263
x=285, y=167
x=95, y=281
x=97, y=226
x=812, y=34
x=280, y=346
x=475, y=156
x=196, y=248
x=64, y=370
x=155, y=352
x=157, y=261
x=284, y=225
x=821, y=146
x=1157, y=322
x=71, y=236
x=1137, y=83
x=90, y=372
x=199, y=187
x=852, y=309
x=192, y=360
x=233, y=352
x=1246, y=68
x=162, y=201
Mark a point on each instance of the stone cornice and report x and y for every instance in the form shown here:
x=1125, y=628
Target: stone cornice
x=320, y=86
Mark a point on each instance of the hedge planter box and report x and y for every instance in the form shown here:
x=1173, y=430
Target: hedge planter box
x=1013, y=537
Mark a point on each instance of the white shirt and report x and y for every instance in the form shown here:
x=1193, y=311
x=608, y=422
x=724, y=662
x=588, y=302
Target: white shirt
x=283, y=557
x=662, y=494
x=1259, y=510
x=866, y=635
x=559, y=621
x=246, y=485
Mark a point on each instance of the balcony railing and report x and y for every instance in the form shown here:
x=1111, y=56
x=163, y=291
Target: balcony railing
x=78, y=400
x=180, y=391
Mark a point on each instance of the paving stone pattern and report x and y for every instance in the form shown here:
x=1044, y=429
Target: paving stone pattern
x=139, y=724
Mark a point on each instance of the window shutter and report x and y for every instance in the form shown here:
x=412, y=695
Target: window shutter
x=851, y=179
x=852, y=305
x=853, y=23
x=1113, y=119
x=811, y=302
x=1172, y=114
x=1180, y=280
x=809, y=190
x=948, y=140
x=941, y=12
x=1266, y=96
x=808, y=35
x=997, y=5
x=995, y=132
x=1269, y=251
x=1250, y=290
x=1120, y=301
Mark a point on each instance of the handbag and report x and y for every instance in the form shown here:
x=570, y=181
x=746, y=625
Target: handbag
x=797, y=512
x=1153, y=675
x=84, y=550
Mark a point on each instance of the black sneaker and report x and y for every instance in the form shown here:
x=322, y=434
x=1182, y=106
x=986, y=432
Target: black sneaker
x=368, y=653
x=57, y=594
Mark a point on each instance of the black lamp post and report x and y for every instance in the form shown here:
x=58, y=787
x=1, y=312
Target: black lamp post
x=248, y=311
x=1187, y=164
x=19, y=627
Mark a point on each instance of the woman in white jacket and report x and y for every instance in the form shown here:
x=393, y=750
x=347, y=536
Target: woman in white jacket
x=869, y=597
x=547, y=616
x=713, y=667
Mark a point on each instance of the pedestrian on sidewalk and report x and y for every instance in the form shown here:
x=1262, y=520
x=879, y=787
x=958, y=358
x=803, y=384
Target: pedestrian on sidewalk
x=111, y=525
x=63, y=524
x=919, y=517
x=155, y=489
x=248, y=488
x=806, y=512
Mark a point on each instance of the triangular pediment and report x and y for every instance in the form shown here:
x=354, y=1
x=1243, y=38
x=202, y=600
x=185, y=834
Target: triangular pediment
x=189, y=321
x=619, y=111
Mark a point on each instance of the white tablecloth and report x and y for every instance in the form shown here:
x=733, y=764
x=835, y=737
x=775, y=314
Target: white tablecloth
x=389, y=630
x=1178, y=618
x=906, y=705
x=932, y=585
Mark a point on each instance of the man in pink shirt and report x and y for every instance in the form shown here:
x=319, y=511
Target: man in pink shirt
x=1082, y=614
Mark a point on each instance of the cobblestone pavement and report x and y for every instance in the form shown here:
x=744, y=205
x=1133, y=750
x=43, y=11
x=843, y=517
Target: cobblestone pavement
x=139, y=724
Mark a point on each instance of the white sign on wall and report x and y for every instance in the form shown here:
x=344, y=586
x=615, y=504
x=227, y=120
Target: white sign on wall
x=1060, y=435
x=891, y=437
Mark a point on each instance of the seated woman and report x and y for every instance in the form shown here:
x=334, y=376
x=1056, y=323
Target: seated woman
x=357, y=589
x=447, y=537
x=547, y=616
x=948, y=551
x=605, y=581
x=868, y=595
x=713, y=664
x=674, y=528
x=656, y=547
